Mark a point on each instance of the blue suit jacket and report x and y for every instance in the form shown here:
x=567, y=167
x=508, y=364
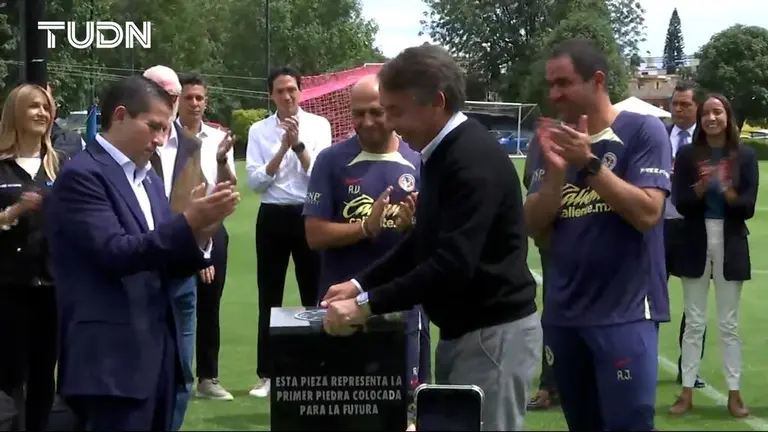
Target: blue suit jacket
x=114, y=278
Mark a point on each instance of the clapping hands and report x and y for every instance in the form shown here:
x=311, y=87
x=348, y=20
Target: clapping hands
x=706, y=173
x=206, y=212
x=406, y=212
x=225, y=146
x=563, y=145
x=291, y=127
x=30, y=201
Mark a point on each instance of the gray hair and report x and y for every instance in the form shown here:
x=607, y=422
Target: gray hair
x=425, y=71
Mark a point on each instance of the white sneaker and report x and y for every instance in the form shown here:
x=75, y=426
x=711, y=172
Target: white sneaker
x=211, y=389
x=261, y=390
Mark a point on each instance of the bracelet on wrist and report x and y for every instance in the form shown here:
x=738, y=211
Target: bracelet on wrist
x=366, y=233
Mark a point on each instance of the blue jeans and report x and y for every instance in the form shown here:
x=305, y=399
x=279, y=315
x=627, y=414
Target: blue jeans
x=185, y=301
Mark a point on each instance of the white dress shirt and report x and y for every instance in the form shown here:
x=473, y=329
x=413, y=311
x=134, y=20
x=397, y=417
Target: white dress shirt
x=290, y=182
x=670, y=212
x=167, y=153
x=674, y=137
x=452, y=124
x=136, y=176
x=211, y=137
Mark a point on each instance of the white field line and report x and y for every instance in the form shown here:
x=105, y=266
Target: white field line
x=712, y=393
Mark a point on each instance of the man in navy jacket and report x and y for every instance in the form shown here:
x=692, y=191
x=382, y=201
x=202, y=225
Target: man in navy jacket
x=116, y=252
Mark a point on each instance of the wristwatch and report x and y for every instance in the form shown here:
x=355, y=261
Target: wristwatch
x=362, y=301
x=298, y=148
x=592, y=167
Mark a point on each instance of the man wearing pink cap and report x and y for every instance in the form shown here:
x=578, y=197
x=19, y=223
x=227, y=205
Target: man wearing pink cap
x=177, y=162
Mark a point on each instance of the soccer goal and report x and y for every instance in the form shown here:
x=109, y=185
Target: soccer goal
x=512, y=123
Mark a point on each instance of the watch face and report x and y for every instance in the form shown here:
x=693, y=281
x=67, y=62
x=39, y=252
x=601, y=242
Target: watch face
x=362, y=298
x=594, y=164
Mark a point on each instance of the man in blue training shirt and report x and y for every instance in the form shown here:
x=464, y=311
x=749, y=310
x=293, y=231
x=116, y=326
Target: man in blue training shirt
x=348, y=212
x=599, y=193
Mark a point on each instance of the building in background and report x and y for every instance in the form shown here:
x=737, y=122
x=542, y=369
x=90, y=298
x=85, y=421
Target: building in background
x=652, y=84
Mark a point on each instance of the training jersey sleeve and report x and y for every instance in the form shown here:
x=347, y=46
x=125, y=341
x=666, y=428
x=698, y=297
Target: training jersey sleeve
x=534, y=171
x=650, y=160
x=319, y=201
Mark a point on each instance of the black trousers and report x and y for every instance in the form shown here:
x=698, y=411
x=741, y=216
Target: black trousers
x=28, y=337
x=673, y=244
x=280, y=236
x=547, y=379
x=208, y=333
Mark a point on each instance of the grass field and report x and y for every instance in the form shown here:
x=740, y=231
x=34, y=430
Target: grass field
x=238, y=335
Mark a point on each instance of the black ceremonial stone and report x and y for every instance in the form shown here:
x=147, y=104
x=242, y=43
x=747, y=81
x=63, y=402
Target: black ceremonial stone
x=324, y=383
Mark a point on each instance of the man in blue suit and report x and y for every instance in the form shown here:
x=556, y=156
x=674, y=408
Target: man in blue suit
x=117, y=252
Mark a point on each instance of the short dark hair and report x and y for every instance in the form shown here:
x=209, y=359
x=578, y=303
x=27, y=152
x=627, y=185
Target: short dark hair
x=426, y=70
x=684, y=86
x=135, y=93
x=586, y=56
x=191, y=78
x=283, y=71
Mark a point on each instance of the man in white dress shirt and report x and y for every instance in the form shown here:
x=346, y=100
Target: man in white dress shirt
x=281, y=151
x=680, y=133
x=217, y=162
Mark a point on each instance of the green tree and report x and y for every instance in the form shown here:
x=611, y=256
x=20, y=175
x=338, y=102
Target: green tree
x=499, y=40
x=7, y=48
x=735, y=63
x=222, y=39
x=628, y=24
x=495, y=39
x=9, y=53
x=315, y=36
x=587, y=19
x=674, y=47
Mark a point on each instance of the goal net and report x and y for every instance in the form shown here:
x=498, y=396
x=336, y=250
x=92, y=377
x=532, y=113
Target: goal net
x=327, y=95
x=512, y=123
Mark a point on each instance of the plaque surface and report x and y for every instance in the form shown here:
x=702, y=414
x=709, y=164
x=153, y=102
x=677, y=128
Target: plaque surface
x=324, y=383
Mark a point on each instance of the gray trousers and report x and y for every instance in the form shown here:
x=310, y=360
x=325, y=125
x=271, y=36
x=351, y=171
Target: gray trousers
x=502, y=360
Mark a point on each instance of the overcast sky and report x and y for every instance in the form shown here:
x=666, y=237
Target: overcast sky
x=399, y=21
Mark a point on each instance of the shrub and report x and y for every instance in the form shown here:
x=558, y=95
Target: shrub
x=760, y=146
x=242, y=120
